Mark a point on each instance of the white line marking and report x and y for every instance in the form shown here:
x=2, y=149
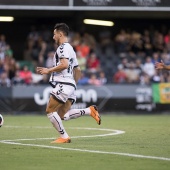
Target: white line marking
x=37, y=127
x=90, y=151
x=114, y=132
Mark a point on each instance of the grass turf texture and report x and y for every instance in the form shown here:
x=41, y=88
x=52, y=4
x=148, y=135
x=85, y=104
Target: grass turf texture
x=144, y=135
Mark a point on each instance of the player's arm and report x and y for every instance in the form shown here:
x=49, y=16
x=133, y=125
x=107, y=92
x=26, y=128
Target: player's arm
x=61, y=66
x=161, y=66
x=76, y=73
x=167, y=67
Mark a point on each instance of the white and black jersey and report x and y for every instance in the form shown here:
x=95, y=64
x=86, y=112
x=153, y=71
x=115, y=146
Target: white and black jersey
x=65, y=50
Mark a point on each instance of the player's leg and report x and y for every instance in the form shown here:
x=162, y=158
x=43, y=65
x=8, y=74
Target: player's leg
x=55, y=119
x=64, y=109
x=60, y=95
x=66, y=113
x=75, y=113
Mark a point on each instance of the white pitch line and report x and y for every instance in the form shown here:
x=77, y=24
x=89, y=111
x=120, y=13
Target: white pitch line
x=37, y=127
x=114, y=132
x=83, y=150
x=90, y=151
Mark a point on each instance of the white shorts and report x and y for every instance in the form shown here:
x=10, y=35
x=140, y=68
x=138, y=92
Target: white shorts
x=63, y=92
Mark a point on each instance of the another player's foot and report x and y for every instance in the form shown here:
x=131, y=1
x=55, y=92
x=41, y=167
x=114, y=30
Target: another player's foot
x=95, y=114
x=62, y=140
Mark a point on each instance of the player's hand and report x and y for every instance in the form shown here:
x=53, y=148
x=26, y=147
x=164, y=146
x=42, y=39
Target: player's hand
x=42, y=70
x=159, y=65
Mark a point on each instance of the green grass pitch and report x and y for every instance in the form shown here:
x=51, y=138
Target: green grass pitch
x=145, y=145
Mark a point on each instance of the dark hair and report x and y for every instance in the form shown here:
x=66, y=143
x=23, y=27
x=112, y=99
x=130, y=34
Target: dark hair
x=62, y=27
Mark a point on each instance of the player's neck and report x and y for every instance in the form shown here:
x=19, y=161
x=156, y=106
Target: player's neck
x=64, y=40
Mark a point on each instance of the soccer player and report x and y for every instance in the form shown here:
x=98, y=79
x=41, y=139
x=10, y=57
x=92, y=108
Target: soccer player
x=161, y=66
x=64, y=75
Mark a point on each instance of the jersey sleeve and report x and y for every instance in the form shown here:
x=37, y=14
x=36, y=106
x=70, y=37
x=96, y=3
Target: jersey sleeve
x=75, y=63
x=63, y=52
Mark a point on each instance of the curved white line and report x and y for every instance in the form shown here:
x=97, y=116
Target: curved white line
x=84, y=150
x=113, y=132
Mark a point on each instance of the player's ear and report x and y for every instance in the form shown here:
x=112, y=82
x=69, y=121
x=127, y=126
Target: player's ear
x=60, y=34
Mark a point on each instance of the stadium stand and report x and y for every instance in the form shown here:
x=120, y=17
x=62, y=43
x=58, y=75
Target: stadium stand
x=110, y=51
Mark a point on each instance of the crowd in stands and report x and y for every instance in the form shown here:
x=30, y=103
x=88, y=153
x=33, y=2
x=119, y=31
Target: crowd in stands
x=126, y=58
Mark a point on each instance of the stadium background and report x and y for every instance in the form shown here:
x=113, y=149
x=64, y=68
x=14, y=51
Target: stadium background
x=131, y=15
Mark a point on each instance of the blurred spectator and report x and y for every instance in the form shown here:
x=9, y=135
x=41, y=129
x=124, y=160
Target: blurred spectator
x=144, y=79
x=2, y=55
x=167, y=37
x=124, y=64
x=138, y=66
x=1, y=66
x=129, y=45
x=120, y=76
x=49, y=61
x=156, y=77
x=4, y=80
x=82, y=61
x=165, y=77
x=6, y=68
x=165, y=57
x=26, y=75
x=93, y=63
x=132, y=73
x=155, y=57
x=2, y=46
x=102, y=78
x=148, y=67
x=84, y=80
x=83, y=48
x=93, y=80
x=17, y=80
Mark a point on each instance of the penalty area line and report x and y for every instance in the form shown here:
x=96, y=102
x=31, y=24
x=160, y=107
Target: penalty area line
x=89, y=151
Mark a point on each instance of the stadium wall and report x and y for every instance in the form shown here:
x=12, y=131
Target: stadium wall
x=108, y=98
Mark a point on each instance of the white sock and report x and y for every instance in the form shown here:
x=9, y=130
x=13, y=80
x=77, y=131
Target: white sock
x=57, y=123
x=75, y=113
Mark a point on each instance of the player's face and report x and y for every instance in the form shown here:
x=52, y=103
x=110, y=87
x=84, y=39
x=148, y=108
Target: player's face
x=56, y=36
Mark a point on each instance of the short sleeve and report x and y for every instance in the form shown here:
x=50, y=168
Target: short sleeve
x=63, y=52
